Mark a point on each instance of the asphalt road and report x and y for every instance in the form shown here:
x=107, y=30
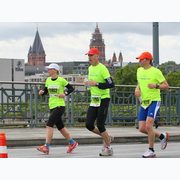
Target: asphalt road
x=92, y=151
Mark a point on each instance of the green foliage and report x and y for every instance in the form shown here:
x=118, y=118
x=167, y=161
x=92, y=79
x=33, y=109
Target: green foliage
x=171, y=74
x=126, y=75
x=167, y=66
x=173, y=78
x=168, y=63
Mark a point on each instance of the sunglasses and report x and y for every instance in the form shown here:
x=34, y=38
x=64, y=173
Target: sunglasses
x=91, y=55
x=142, y=60
x=51, y=69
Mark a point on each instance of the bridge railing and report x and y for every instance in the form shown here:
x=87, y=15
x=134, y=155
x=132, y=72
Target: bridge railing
x=21, y=105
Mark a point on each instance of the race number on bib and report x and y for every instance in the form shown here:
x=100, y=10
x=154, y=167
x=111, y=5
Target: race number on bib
x=54, y=95
x=95, y=101
x=53, y=90
x=146, y=103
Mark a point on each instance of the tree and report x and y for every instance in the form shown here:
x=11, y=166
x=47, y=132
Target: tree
x=173, y=78
x=167, y=67
x=126, y=75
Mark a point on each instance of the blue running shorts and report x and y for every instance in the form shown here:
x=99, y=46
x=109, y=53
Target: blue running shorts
x=150, y=111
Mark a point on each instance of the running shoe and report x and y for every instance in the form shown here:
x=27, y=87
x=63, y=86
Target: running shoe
x=164, y=140
x=149, y=154
x=44, y=149
x=106, y=151
x=71, y=147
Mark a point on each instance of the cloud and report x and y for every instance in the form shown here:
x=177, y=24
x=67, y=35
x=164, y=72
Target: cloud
x=69, y=41
x=17, y=30
x=169, y=48
x=67, y=47
x=15, y=49
x=20, y=30
x=169, y=28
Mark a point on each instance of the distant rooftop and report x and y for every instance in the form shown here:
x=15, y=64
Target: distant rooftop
x=37, y=47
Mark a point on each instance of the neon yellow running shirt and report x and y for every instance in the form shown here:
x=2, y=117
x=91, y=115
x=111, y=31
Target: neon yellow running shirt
x=98, y=73
x=55, y=88
x=149, y=76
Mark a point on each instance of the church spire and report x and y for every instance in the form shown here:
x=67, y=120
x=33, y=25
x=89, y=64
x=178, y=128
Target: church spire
x=98, y=42
x=36, y=54
x=114, y=58
x=120, y=59
x=37, y=45
x=97, y=25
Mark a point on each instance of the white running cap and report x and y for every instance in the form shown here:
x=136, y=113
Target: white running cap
x=53, y=66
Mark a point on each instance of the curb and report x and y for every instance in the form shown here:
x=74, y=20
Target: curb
x=84, y=141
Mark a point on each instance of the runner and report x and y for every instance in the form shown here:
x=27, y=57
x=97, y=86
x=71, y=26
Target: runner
x=57, y=88
x=99, y=81
x=150, y=82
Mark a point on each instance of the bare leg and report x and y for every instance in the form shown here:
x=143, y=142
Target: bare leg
x=150, y=131
x=49, y=134
x=65, y=133
x=96, y=131
x=104, y=135
x=106, y=138
x=142, y=128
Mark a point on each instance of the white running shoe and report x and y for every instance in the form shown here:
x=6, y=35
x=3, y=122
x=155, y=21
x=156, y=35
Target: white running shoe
x=164, y=141
x=106, y=152
x=149, y=154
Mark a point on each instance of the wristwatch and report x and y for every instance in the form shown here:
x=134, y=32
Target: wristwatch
x=157, y=86
x=97, y=84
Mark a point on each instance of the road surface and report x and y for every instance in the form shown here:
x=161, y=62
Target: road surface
x=92, y=151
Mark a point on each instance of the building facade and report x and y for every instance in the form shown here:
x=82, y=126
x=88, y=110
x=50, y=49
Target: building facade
x=98, y=42
x=36, y=54
x=11, y=70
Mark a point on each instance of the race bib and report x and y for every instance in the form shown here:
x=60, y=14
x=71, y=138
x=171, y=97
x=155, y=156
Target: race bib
x=53, y=95
x=145, y=103
x=95, y=101
x=53, y=90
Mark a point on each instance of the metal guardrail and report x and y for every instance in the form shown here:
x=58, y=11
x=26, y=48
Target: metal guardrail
x=21, y=105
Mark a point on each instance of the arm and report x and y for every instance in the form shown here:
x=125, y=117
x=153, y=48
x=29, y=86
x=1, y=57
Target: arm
x=137, y=91
x=43, y=92
x=162, y=86
x=108, y=84
x=69, y=89
x=162, y=83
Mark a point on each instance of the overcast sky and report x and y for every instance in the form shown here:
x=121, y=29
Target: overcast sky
x=70, y=41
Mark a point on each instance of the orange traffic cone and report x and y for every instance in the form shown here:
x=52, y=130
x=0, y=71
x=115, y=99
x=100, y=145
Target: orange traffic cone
x=3, y=146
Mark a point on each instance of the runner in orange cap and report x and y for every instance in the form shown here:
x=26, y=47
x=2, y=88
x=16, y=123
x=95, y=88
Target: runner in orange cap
x=150, y=82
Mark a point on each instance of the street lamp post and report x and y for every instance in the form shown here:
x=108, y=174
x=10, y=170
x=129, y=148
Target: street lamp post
x=156, y=43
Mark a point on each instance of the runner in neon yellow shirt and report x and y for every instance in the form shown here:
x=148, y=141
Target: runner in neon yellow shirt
x=99, y=81
x=151, y=75
x=150, y=82
x=99, y=73
x=55, y=87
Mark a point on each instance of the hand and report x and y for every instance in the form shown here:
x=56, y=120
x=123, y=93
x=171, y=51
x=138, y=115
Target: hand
x=137, y=93
x=152, y=86
x=61, y=95
x=41, y=92
x=90, y=83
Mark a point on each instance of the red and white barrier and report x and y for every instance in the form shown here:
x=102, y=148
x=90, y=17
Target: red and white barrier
x=3, y=146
